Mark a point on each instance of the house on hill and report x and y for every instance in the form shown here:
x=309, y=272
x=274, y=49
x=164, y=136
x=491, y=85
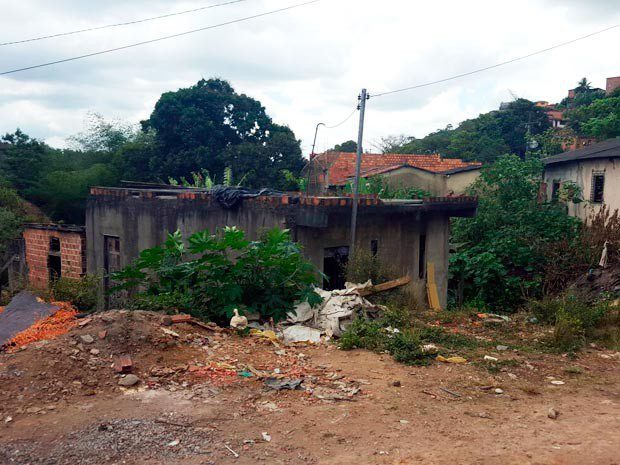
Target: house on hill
x=595, y=169
x=332, y=171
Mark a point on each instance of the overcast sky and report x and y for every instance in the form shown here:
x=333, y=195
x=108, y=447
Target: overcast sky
x=306, y=65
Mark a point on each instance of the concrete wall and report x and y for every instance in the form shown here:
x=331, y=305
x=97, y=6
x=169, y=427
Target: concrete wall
x=438, y=185
x=37, y=245
x=458, y=183
x=581, y=173
x=142, y=223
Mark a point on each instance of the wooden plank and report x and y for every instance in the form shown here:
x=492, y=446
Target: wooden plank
x=431, y=287
x=385, y=286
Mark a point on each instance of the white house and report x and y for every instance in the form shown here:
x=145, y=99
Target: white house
x=595, y=169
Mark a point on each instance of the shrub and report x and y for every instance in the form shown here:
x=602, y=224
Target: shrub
x=364, y=265
x=82, y=293
x=569, y=334
x=405, y=347
x=216, y=273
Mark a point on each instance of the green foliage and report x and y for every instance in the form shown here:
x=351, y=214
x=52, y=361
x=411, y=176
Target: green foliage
x=363, y=265
x=503, y=250
x=214, y=274
x=349, y=146
x=600, y=119
x=103, y=136
x=486, y=137
x=381, y=187
x=211, y=126
x=82, y=293
x=12, y=215
x=375, y=336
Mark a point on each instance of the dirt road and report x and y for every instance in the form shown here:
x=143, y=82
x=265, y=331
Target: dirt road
x=401, y=415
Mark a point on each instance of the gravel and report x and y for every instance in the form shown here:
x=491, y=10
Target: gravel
x=114, y=441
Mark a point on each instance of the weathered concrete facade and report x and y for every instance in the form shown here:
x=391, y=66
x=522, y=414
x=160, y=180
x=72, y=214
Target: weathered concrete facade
x=407, y=233
x=595, y=169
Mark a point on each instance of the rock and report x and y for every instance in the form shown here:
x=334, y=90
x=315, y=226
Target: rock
x=94, y=351
x=266, y=437
x=87, y=339
x=8, y=419
x=499, y=391
x=553, y=413
x=500, y=348
x=403, y=422
x=557, y=382
x=129, y=380
x=396, y=383
x=33, y=410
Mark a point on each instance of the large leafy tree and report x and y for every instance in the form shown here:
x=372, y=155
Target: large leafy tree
x=502, y=252
x=210, y=126
x=600, y=119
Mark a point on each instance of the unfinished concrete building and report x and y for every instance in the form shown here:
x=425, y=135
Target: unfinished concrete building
x=121, y=222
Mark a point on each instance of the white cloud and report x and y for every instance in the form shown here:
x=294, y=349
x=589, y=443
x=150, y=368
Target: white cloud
x=305, y=65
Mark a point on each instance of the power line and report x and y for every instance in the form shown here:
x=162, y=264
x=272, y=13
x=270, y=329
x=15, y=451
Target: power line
x=343, y=121
x=496, y=65
x=159, y=39
x=128, y=23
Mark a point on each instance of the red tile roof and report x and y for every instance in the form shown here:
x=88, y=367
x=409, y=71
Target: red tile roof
x=341, y=165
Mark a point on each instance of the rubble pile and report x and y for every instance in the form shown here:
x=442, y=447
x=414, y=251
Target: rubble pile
x=107, y=353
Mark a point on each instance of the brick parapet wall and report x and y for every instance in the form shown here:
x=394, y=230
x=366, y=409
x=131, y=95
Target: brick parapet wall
x=72, y=254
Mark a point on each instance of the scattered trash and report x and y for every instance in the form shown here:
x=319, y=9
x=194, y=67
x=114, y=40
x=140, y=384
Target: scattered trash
x=557, y=382
x=553, y=413
x=8, y=419
x=169, y=332
x=238, y=322
x=278, y=384
x=129, y=380
x=266, y=334
x=491, y=359
x=245, y=374
x=173, y=443
x=493, y=318
x=266, y=437
x=501, y=348
x=339, y=308
x=403, y=422
x=457, y=360
x=232, y=451
x=452, y=393
x=499, y=391
x=299, y=333
x=430, y=348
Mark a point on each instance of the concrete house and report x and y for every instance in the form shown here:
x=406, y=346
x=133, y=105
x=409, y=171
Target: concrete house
x=332, y=171
x=594, y=168
x=121, y=222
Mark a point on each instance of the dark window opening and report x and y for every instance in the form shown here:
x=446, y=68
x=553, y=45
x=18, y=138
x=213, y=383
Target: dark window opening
x=335, y=261
x=422, y=257
x=598, y=187
x=555, y=190
x=374, y=247
x=111, y=262
x=54, y=260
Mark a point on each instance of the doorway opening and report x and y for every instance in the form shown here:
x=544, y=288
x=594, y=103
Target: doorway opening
x=54, y=260
x=335, y=261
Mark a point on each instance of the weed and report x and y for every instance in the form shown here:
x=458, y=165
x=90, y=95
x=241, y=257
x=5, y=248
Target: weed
x=405, y=348
x=82, y=293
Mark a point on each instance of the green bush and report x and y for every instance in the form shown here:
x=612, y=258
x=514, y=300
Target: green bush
x=216, y=273
x=82, y=293
x=376, y=336
x=569, y=333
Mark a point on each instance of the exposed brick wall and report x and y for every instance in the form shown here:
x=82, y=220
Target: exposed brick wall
x=72, y=253
x=612, y=84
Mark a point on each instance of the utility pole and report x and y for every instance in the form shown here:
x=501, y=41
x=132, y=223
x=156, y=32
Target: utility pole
x=316, y=131
x=358, y=166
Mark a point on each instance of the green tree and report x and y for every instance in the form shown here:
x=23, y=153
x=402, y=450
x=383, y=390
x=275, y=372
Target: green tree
x=502, y=254
x=348, y=146
x=600, y=119
x=210, y=126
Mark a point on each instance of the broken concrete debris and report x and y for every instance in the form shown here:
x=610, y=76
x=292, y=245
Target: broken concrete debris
x=122, y=364
x=284, y=383
x=300, y=333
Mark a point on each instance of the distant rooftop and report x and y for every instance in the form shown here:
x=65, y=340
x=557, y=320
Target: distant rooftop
x=606, y=149
x=341, y=165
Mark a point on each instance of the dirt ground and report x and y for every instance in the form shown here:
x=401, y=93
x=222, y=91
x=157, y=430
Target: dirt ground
x=202, y=399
